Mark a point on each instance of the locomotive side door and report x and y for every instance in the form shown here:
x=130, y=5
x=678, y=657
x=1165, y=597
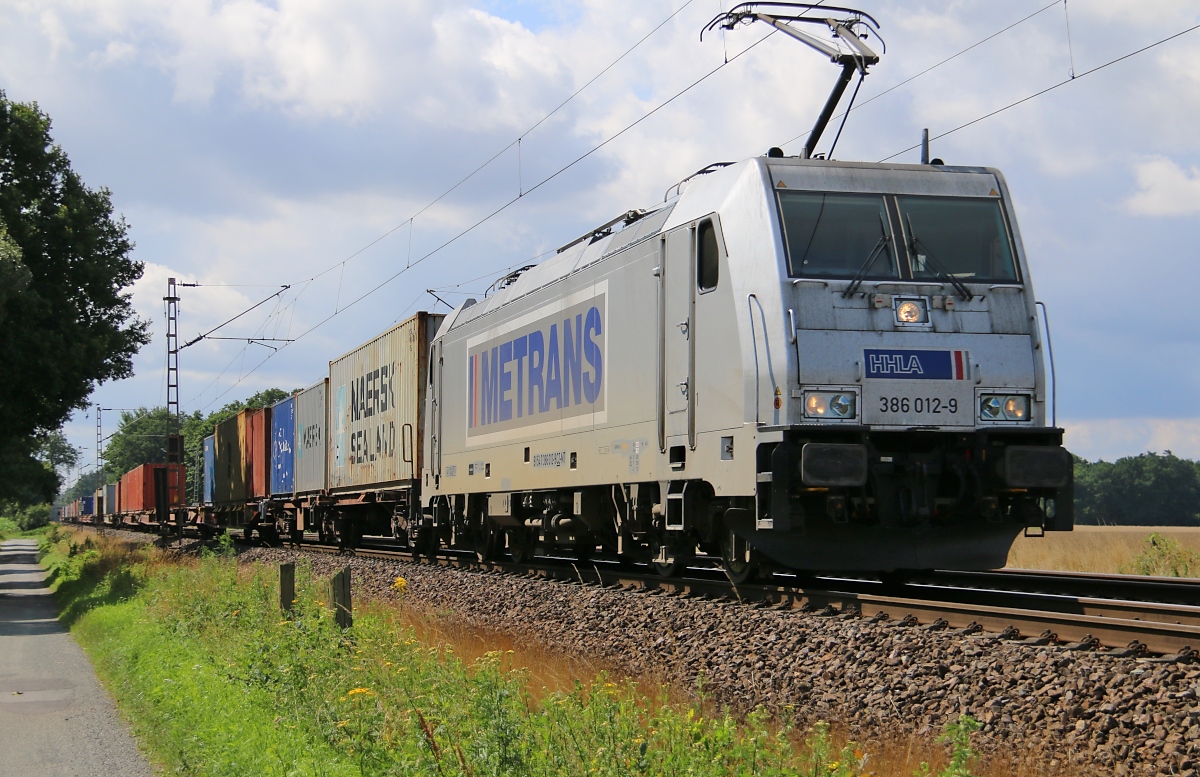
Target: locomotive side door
x=676, y=342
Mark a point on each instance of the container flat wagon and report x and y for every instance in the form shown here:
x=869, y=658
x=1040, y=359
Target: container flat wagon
x=140, y=493
x=373, y=436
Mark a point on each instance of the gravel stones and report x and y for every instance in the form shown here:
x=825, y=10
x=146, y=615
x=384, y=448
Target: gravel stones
x=1096, y=714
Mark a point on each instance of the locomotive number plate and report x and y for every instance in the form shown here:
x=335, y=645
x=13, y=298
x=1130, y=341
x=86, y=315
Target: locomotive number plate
x=897, y=405
x=901, y=403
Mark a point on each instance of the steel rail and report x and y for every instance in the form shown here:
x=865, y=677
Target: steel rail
x=1142, y=588
x=1149, y=627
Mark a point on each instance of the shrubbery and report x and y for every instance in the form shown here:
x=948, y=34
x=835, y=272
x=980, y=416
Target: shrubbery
x=23, y=518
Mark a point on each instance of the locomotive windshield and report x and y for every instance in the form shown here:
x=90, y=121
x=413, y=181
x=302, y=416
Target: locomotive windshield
x=836, y=235
x=964, y=238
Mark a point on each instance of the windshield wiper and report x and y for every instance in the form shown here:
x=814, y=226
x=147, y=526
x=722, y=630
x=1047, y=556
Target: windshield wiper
x=938, y=268
x=884, y=240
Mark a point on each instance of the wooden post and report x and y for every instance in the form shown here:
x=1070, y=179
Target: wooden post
x=342, y=611
x=287, y=585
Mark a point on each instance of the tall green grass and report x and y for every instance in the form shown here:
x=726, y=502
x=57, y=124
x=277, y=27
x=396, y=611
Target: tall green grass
x=217, y=681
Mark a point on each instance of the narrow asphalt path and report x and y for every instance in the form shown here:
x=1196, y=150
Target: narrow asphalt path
x=55, y=718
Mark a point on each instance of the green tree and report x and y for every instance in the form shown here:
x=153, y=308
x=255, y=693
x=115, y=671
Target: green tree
x=14, y=275
x=140, y=438
x=71, y=325
x=1149, y=489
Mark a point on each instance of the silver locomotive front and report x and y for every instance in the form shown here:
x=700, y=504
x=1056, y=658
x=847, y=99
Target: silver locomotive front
x=918, y=414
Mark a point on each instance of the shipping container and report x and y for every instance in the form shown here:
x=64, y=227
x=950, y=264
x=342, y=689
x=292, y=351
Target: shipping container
x=376, y=408
x=87, y=505
x=311, y=414
x=137, y=487
x=105, y=499
x=229, y=483
x=257, y=452
x=210, y=470
x=283, y=448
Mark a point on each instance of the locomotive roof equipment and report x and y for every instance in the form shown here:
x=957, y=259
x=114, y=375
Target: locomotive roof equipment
x=859, y=57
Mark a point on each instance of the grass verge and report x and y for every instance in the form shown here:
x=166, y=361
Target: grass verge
x=218, y=682
x=1172, y=551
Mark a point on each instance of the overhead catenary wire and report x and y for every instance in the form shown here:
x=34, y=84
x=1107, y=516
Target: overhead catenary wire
x=932, y=67
x=506, y=205
x=516, y=142
x=462, y=233
x=1071, y=79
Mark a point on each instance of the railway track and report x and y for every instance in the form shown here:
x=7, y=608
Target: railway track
x=1021, y=606
x=1119, y=615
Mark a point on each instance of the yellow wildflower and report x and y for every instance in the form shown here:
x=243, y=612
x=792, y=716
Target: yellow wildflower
x=400, y=585
x=357, y=691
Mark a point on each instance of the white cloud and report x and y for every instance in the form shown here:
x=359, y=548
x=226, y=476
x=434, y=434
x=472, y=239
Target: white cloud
x=1165, y=189
x=1111, y=439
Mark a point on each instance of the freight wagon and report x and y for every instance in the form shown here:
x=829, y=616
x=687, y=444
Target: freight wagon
x=241, y=469
x=144, y=487
x=351, y=465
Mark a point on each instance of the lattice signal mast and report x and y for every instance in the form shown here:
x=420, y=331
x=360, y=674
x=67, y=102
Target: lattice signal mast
x=174, y=421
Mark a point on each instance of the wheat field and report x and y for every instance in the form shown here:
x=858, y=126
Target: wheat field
x=1109, y=549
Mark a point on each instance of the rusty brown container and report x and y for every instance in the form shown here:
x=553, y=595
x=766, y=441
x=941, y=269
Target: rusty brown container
x=376, y=400
x=257, y=452
x=230, y=471
x=137, y=487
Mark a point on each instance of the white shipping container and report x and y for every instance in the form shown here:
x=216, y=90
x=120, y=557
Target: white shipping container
x=376, y=401
x=310, y=447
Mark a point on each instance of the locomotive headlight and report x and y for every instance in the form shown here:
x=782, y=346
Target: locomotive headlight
x=1004, y=407
x=991, y=408
x=1016, y=408
x=911, y=311
x=830, y=404
x=842, y=405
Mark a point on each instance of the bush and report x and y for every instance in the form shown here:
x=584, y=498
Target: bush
x=1165, y=557
x=13, y=518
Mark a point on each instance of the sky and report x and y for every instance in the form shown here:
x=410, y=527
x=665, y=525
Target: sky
x=363, y=152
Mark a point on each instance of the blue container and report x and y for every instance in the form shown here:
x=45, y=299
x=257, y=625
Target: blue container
x=87, y=505
x=210, y=469
x=283, y=447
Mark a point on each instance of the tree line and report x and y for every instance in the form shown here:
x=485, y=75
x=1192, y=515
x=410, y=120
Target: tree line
x=1150, y=489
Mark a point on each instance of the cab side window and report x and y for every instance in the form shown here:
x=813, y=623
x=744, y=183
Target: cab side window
x=708, y=256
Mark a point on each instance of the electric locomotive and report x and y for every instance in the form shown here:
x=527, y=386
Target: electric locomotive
x=792, y=362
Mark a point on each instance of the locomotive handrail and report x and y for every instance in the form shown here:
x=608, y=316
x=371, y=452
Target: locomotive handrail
x=702, y=171
x=1053, y=377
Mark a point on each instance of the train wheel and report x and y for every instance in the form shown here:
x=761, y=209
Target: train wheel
x=737, y=558
x=679, y=561
x=269, y=534
x=520, y=545
x=486, y=540
x=248, y=533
